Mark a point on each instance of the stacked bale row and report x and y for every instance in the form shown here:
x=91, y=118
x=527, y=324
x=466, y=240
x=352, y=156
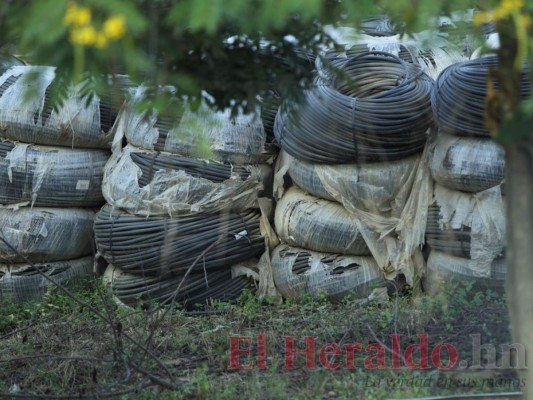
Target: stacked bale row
x=51, y=170
x=466, y=220
x=178, y=222
x=353, y=145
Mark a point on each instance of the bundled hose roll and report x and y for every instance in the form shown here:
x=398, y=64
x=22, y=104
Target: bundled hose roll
x=145, y=182
x=444, y=269
x=27, y=111
x=164, y=246
x=308, y=222
x=373, y=187
x=299, y=273
x=379, y=111
x=466, y=164
x=51, y=176
x=45, y=234
x=379, y=25
x=197, y=288
x=460, y=97
x=205, y=133
x=22, y=282
x=467, y=225
x=431, y=60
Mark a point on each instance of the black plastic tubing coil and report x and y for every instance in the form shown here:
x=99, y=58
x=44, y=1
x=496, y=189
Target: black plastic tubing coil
x=150, y=162
x=459, y=98
x=380, y=110
x=166, y=246
x=197, y=288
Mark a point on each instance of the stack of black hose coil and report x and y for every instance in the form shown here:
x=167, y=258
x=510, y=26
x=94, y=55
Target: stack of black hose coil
x=51, y=169
x=353, y=141
x=466, y=224
x=176, y=224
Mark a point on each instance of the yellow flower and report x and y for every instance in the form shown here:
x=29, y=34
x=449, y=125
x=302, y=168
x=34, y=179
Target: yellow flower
x=84, y=36
x=77, y=16
x=101, y=40
x=114, y=27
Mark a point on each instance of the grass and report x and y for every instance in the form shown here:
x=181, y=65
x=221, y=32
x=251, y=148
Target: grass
x=59, y=348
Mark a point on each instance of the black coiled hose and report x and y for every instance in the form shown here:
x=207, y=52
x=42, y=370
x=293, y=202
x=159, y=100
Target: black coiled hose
x=382, y=113
x=51, y=176
x=151, y=162
x=459, y=98
x=164, y=246
x=196, y=289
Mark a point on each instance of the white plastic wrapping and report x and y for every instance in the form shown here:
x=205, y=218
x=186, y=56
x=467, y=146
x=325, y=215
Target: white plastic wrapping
x=442, y=269
x=203, y=134
x=21, y=282
x=299, y=273
x=484, y=214
x=308, y=222
x=387, y=200
x=466, y=163
x=377, y=187
x=173, y=192
x=75, y=124
x=45, y=234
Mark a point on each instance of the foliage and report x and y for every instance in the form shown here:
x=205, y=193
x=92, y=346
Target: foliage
x=233, y=49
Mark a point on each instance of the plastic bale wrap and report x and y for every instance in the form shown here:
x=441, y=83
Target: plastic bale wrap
x=27, y=115
x=173, y=192
x=466, y=164
x=194, y=289
x=45, y=234
x=387, y=200
x=22, y=282
x=299, y=273
x=481, y=214
x=308, y=222
x=201, y=134
x=443, y=269
x=51, y=176
x=377, y=187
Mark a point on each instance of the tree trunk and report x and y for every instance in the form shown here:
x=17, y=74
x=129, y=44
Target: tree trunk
x=519, y=252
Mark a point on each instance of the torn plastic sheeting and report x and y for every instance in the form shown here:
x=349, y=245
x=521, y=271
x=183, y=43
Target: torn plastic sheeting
x=51, y=176
x=375, y=187
x=22, y=282
x=308, y=222
x=444, y=268
x=483, y=213
x=176, y=191
x=197, y=288
x=27, y=116
x=201, y=134
x=466, y=164
x=299, y=273
x=159, y=245
x=45, y=234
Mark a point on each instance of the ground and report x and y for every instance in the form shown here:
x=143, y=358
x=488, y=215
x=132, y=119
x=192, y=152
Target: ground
x=63, y=349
